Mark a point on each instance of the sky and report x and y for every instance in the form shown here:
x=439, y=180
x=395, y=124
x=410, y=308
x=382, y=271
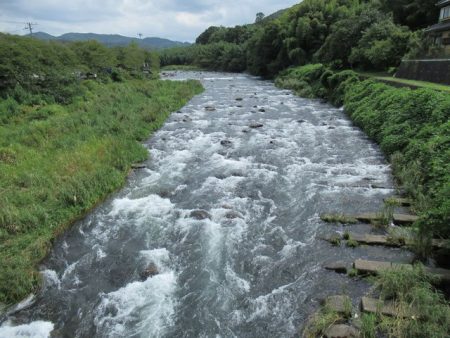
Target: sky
x=172, y=19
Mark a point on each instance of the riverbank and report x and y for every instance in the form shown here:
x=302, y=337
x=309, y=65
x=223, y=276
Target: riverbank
x=411, y=127
x=58, y=161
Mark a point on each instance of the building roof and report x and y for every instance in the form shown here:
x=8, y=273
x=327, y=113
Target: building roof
x=443, y=26
x=443, y=3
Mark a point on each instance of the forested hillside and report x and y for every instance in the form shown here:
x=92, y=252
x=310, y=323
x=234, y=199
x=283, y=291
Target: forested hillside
x=113, y=40
x=371, y=35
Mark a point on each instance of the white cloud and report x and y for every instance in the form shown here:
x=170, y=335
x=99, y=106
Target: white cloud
x=173, y=19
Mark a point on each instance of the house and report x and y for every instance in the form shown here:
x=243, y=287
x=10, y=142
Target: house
x=440, y=32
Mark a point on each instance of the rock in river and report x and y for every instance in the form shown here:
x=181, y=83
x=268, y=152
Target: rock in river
x=256, y=125
x=150, y=271
x=200, y=215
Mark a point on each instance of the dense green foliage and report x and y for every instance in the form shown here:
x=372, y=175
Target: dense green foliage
x=52, y=71
x=411, y=126
x=341, y=33
x=66, y=142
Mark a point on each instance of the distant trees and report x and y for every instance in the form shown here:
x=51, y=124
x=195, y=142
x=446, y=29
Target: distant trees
x=53, y=69
x=259, y=17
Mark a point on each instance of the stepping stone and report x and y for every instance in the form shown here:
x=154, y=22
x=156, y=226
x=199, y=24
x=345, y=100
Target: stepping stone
x=404, y=202
x=400, y=219
x=374, y=240
x=341, y=331
x=375, y=267
x=387, y=308
x=340, y=304
x=403, y=219
x=339, y=267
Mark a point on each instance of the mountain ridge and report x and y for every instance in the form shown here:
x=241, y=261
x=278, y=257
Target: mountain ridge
x=113, y=40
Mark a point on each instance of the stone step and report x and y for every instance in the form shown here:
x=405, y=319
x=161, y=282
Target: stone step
x=387, y=308
x=399, y=219
x=375, y=267
x=372, y=239
x=404, y=219
x=404, y=202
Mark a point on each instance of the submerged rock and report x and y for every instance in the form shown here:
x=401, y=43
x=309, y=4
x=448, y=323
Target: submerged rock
x=200, y=215
x=262, y=110
x=239, y=99
x=150, y=271
x=256, y=125
x=233, y=215
x=226, y=143
x=210, y=108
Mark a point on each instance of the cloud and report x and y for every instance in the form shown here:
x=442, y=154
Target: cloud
x=173, y=19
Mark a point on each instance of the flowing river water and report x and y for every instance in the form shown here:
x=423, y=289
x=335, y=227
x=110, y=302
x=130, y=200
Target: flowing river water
x=227, y=210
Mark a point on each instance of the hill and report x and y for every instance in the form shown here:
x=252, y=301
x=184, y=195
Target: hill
x=113, y=40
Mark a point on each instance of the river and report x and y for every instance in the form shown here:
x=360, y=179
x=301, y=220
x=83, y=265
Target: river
x=227, y=210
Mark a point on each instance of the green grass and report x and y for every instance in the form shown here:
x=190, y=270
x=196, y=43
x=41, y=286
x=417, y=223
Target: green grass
x=57, y=162
x=415, y=83
x=338, y=218
x=320, y=322
x=413, y=292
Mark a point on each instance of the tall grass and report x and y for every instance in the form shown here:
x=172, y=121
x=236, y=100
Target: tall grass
x=57, y=162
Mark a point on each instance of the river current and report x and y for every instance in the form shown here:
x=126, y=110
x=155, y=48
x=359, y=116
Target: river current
x=228, y=211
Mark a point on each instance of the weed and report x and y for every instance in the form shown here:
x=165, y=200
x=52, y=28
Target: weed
x=351, y=243
x=368, y=325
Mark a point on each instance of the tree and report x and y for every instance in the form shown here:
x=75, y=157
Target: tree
x=415, y=14
x=259, y=17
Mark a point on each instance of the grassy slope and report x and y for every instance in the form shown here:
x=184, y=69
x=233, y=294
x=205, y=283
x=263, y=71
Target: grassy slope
x=57, y=162
x=414, y=83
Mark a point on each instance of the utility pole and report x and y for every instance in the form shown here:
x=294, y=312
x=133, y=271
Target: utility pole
x=29, y=27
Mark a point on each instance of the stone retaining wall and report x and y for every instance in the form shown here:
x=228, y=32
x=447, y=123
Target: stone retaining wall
x=437, y=71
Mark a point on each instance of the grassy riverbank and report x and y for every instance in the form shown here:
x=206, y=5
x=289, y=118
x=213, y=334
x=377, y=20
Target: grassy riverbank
x=413, y=130
x=57, y=161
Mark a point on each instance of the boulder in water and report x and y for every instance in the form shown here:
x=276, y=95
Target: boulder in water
x=150, y=271
x=226, y=143
x=233, y=215
x=256, y=125
x=210, y=108
x=200, y=215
